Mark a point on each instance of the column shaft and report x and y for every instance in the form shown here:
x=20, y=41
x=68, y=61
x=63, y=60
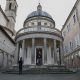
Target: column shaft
x=23, y=49
x=33, y=52
x=55, y=52
x=16, y=56
x=61, y=52
x=3, y=59
x=45, y=51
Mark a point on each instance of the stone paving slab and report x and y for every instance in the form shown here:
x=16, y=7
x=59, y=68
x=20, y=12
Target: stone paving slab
x=75, y=76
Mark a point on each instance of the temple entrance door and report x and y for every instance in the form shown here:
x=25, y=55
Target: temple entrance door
x=39, y=56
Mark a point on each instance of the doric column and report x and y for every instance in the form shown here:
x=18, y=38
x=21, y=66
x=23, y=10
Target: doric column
x=45, y=51
x=23, y=49
x=61, y=52
x=33, y=51
x=16, y=56
x=52, y=52
x=55, y=52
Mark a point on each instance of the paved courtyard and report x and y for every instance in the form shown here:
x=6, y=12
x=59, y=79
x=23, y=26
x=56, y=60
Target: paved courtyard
x=75, y=76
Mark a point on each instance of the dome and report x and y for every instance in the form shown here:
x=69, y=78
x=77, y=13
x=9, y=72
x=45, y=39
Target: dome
x=39, y=12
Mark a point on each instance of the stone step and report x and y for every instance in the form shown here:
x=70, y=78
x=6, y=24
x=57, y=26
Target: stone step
x=40, y=71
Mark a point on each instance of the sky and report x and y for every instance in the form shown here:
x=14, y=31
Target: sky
x=58, y=9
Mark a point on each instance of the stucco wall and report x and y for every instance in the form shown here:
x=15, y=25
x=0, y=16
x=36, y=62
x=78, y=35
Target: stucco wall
x=7, y=48
x=71, y=33
x=78, y=8
x=6, y=44
x=3, y=21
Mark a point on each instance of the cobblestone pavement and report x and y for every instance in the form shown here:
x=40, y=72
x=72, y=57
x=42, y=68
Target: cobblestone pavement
x=75, y=76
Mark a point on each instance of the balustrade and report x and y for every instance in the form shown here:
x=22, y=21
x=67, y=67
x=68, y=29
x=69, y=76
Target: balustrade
x=38, y=29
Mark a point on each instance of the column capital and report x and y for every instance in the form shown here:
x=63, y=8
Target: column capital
x=54, y=40
x=45, y=41
x=33, y=40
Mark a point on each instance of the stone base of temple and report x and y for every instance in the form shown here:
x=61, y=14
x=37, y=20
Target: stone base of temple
x=44, y=69
x=40, y=66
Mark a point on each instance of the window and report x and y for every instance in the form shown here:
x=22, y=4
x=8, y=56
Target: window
x=70, y=45
x=10, y=6
x=45, y=23
x=66, y=49
x=74, y=18
x=15, y=8
x=77, y=40
x=39, y=23
x=68, y=27
x=32, y=23
x=64, y=33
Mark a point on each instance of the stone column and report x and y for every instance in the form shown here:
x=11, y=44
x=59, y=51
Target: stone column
x=55, y=53
x=23, y=49
x=45, y=50
x=53, y=60
x=16, y=56
x=33, y=52
x=61, y=52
